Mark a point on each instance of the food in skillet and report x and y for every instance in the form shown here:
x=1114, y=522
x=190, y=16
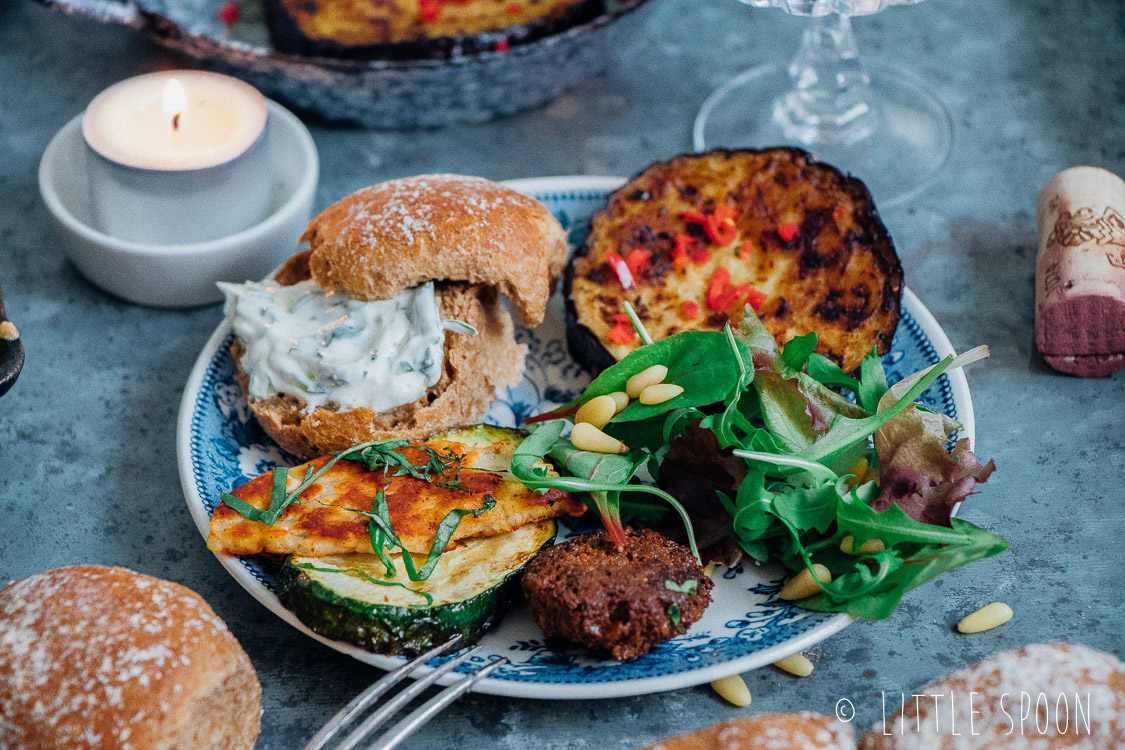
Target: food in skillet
x=394, y=546
x=692, y=241
x=390, y=324
x=400, y=29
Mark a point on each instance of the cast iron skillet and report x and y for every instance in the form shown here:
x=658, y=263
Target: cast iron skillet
x=11, y=356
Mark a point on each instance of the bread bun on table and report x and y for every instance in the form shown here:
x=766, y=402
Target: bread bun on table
x=96, y=657
x=996, y=706
x=798, y=731
x=473, y=239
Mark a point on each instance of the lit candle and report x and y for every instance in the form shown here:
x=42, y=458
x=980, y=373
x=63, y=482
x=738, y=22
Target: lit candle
x=177, y=157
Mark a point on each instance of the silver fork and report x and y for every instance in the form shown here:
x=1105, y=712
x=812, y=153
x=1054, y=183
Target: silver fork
x=350, y=714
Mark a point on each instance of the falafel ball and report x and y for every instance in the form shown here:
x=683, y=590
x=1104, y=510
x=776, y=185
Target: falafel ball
x=618, y=602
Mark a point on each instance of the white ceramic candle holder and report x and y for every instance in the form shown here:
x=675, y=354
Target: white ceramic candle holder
x=177, y=157
x=183, y=274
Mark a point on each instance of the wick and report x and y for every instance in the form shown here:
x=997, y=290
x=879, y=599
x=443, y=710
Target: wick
x=176, y=121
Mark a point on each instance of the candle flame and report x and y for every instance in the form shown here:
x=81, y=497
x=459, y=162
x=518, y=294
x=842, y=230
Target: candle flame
x=175, y=101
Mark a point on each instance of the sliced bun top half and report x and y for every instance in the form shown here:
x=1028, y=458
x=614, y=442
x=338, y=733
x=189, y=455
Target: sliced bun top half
x=386, y=238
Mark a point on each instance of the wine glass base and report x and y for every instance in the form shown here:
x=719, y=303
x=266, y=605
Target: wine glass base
x=898, y=152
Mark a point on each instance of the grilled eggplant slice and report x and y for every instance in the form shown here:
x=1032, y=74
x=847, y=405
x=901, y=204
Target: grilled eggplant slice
x=412, y=29
x=806, y=248
x=468, y=591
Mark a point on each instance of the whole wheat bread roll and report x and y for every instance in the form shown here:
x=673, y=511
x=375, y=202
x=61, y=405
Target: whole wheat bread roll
x=95, y=657
x=799, y=731
x=995, y=704
x=384, y=239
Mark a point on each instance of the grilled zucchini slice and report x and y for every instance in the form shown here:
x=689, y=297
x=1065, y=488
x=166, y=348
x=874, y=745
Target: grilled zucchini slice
x=469, y=589
x=807, y=239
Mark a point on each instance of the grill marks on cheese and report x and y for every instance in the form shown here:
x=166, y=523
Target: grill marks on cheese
x=323, y=521
x=839, y=276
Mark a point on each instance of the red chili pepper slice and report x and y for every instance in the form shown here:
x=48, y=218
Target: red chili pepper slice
x=788, y=230
x=621, y=319
x=230, y=13
x=636, y=261
x=744, y=251
x=841, y=212
x=501, y=46
x=429, y=10
x=701, y=256
x=690, y=310
x=716, y=289
x=513, y=9
x=694, y=217
x=680, y=257
x=621, y=269
x=620, y=334
x=721, y=231
x=724, y=212
x=754, y=298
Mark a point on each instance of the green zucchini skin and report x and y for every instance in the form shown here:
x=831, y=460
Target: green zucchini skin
x=386, y=629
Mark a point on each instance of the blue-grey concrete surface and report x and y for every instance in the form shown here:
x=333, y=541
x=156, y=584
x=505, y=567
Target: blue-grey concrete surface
x=87, y=465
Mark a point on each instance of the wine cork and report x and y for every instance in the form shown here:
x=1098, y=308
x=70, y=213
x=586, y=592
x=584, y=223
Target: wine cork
x=1080, y=272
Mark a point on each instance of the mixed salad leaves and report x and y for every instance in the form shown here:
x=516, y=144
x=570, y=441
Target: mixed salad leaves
x=763, y=456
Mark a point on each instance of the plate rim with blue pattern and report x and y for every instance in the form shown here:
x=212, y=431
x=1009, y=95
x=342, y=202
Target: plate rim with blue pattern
x=747, y=626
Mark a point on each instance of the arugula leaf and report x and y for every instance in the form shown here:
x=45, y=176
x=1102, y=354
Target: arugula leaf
x=529, y=468
x=874, y=595
x=687, y=587
x=796, y=352
x=828, y=373
x=383, y=535
x=872, y=381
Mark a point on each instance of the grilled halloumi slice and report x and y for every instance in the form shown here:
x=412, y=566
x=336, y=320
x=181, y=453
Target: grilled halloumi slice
x=806, y=247
x=324, y=520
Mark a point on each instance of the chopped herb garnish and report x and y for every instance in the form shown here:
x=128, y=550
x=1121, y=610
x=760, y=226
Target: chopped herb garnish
x=687, y=587
x=674, y=614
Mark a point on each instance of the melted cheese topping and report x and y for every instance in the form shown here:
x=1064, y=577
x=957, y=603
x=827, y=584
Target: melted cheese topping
x=329, y=349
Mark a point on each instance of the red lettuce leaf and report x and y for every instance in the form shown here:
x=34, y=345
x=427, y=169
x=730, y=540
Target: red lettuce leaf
x=918, y=474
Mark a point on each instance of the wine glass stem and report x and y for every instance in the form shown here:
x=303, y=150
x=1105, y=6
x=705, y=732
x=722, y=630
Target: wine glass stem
x=830, y=102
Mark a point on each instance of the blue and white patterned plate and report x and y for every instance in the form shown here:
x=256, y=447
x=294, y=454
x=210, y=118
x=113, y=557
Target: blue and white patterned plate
x=220, y=446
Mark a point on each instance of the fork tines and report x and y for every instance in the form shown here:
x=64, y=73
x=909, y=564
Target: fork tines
x=350, y=714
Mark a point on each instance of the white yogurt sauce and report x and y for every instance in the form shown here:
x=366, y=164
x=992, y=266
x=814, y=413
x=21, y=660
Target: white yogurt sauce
x=329, y=349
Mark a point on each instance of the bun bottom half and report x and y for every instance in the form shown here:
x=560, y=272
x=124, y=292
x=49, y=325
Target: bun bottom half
x=474, y=367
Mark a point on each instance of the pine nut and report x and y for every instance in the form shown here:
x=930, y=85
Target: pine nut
x=871, y=545
x=8, y=331
x=597, y=411
x=847, y=545
x=733, y=689
x=795, y=664
x=586, y=437
x=709, y=570
x=659, y=393
x=645, y=378
x=802, y=585
x=986, y=618
x=621, y=398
